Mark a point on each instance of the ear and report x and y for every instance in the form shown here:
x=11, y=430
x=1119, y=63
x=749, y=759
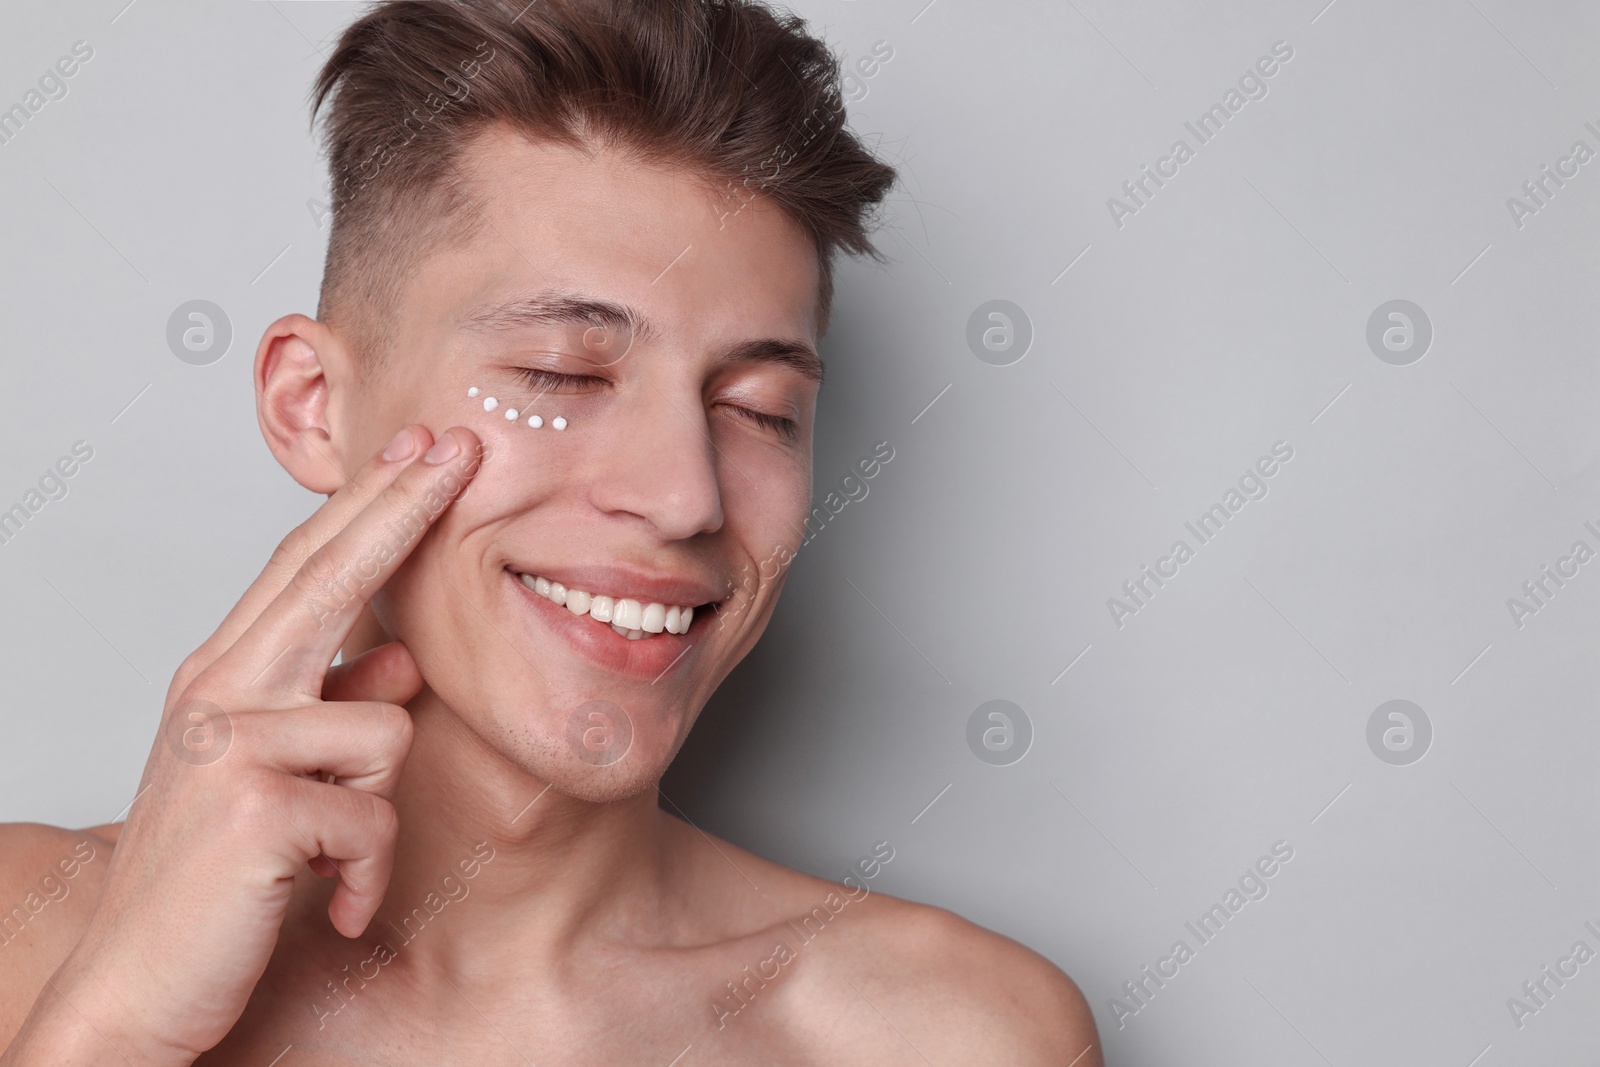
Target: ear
x=298, y=363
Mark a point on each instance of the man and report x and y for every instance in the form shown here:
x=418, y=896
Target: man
x=560, y=395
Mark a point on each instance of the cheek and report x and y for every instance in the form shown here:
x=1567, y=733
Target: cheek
x=523, y=429
x=418, y=607
x=522, y=464
x=767, y=514
x=767, y=504
x=451, y=622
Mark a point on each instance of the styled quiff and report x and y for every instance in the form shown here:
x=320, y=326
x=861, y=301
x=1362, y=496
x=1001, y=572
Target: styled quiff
x=731, y=90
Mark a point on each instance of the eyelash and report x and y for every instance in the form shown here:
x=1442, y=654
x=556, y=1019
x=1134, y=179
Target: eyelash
x=544, y=381
x=777, y=423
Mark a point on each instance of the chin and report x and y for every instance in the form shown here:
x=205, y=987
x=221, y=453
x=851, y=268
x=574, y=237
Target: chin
x=607, y=785
x=593, y=751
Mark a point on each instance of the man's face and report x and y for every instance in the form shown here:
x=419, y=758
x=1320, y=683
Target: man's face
x=683, y=474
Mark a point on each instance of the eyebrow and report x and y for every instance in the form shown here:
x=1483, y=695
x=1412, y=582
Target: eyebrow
x=558, y=307
x=795, y=355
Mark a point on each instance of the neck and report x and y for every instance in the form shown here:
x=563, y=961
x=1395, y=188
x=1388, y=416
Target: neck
x=520, y=872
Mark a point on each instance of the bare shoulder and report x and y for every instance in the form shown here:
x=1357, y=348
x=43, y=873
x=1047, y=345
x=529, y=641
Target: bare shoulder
x=973, y=995
x=49, y=880
x=853, y=975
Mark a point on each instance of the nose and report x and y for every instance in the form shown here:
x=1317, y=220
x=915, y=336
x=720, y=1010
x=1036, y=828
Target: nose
x=661, y=467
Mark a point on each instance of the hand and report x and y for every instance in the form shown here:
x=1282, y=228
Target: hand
x=236, y=798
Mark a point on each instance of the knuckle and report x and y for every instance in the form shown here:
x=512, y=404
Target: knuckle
x=254, y=810
x=397, y=728
x=299, y=543
x=321, y=581
x=197, y=689
x=320, y=570
x=384, y=821
x=188, y=671
x=195, y=662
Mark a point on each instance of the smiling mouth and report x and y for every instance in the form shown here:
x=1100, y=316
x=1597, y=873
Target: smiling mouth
x=629, y=617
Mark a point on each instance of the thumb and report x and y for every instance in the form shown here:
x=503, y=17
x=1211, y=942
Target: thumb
x=386, y=674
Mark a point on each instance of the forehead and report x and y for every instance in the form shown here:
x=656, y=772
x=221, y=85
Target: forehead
x=697, y=258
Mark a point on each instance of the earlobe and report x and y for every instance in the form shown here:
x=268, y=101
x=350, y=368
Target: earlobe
x=292, y=369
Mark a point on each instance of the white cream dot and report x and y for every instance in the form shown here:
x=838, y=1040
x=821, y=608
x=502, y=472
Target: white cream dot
x=473, y=391
x=490, y=403
x=511, y=414
x=535, y=421
x=559, y=422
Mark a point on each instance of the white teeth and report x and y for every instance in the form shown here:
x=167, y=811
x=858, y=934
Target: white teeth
x=628, y=613
x=632, y=619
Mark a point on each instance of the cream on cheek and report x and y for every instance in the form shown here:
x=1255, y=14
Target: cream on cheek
x=530, y=450
x=533, y=421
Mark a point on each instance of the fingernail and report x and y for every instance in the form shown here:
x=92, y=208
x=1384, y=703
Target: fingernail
x=444, y=448
x=401, y=446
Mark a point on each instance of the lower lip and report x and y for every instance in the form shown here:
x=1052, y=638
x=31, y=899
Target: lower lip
x=646, y=659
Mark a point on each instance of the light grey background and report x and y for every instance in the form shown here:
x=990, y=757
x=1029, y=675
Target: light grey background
x=1227, y=314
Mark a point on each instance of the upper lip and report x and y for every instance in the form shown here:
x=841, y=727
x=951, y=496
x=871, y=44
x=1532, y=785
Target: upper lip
x=620, y=581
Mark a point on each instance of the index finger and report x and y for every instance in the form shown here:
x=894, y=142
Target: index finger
x=333, y=515
x=294, y=639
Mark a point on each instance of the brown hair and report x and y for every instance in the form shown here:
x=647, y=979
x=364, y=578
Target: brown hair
x=732, y=90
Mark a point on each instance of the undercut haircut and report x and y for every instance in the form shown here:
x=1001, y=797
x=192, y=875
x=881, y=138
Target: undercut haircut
x=733, y=91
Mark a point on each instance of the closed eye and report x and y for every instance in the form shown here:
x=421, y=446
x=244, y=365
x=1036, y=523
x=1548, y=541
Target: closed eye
x=549, y=381
x=777, y=423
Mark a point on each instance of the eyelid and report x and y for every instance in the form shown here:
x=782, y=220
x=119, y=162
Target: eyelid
x=782, y=403
x=544, y=380
x=787, y=427
x=553, y=355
